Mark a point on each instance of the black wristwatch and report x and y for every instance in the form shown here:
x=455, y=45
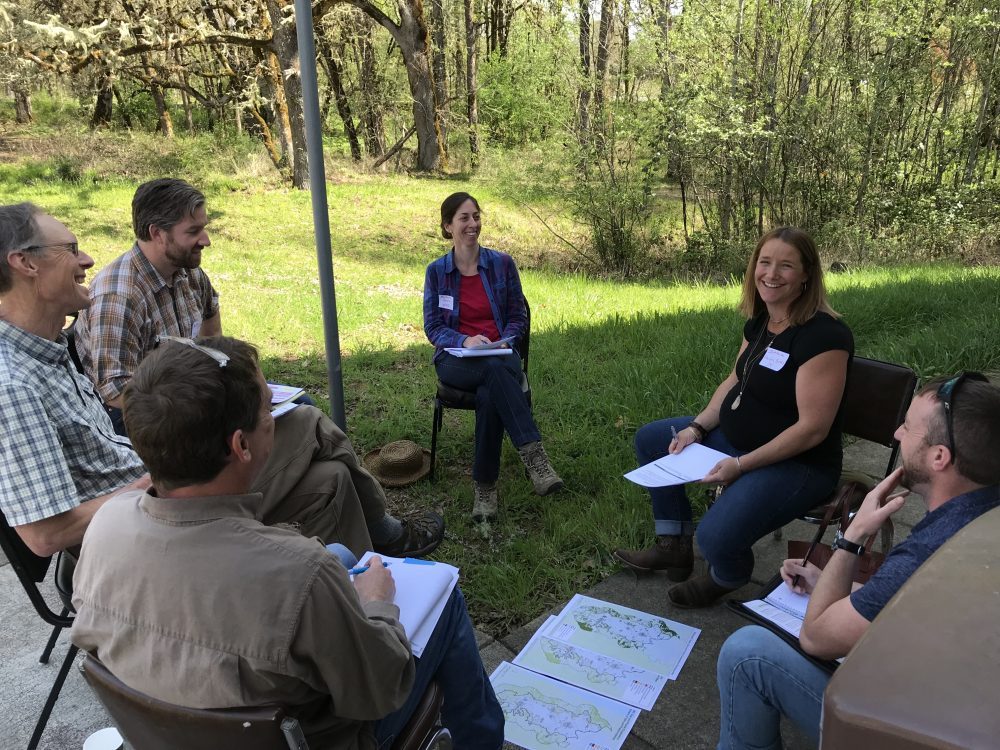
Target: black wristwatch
x=841, y=543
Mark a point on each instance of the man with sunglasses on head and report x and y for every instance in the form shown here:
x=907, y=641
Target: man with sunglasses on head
x=949, y=448
x=61, y=458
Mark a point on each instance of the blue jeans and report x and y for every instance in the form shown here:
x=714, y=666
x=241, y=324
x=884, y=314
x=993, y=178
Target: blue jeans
x=760, y=678
x=500, y=405
x=471, y=710
x=754, y=505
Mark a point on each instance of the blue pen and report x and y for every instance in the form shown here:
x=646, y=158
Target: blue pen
x=362, y=569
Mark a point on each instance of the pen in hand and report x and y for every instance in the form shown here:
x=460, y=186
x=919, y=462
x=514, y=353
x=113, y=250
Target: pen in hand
x=805, y=561
x=362, y=569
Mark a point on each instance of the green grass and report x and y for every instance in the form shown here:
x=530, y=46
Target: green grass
x=606, y=357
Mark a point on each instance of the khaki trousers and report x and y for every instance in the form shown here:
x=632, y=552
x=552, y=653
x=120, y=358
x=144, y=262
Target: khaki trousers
x=313, y=479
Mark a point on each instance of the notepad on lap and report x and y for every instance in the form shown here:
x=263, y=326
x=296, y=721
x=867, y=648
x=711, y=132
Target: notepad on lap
x=422, y=590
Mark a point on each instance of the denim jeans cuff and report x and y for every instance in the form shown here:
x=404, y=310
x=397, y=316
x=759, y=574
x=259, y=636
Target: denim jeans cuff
x=673, y=528
x=727, y=584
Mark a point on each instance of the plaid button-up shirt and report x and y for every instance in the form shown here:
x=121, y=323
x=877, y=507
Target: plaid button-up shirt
x=131, y=305
x=57, y=445
x=442, y=306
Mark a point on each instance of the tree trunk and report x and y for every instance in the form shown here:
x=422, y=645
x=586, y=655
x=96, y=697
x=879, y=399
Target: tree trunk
x=165, y=124
x=333, y=72
x=471, y=98
x=583, y=101
x=603, y=55
x=371, y=113
x=105, y=102
x=22, y=103
x=280, y=107
x=439, y=67
x=285, y=44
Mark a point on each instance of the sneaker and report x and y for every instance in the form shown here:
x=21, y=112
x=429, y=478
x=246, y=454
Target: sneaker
x=543, y=476
x=421, y=536
x=484, y=505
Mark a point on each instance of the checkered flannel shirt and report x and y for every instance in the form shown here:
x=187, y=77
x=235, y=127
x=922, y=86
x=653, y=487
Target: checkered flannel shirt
x=131, y=305
x=57, y=445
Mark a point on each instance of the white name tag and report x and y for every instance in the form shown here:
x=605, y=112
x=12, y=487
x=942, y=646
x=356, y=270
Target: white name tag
x=195, y=329
x=446, y=301
x=774, y=359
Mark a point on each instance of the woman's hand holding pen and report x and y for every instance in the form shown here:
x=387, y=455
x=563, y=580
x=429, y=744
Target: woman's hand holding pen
x=800, y=578
x=682, y=439
x=477, y=340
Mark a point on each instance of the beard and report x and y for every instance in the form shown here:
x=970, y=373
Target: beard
x=913, y=476
x=181, y=257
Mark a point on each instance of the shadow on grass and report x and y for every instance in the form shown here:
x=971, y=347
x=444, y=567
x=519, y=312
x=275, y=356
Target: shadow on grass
x=593, y=386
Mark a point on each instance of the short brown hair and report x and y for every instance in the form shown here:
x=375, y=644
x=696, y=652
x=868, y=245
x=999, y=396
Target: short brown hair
x=975, y=419
x=18, y=230
x=181, y=407
x=164, y=202
x=813, y=298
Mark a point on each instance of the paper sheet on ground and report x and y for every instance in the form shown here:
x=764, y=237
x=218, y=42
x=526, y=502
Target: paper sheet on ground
x=422, y=590
x=544, y=714
x=587, y=669
x=631, y=636
x=690, y=465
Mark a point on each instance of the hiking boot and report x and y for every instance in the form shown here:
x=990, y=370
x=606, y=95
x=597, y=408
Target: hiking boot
x=699, y=592
x=484, y=505
x=543, y=476
x=421, y=536
x=670, y=552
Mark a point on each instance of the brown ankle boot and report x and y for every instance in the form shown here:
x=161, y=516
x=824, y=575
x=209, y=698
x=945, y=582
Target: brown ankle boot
x=699, y=592
x=670, y=552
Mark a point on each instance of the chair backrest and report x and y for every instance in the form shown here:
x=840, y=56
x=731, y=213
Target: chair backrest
x=524, y=345
x=30, y=570
x=878, y=395
x=150, y=724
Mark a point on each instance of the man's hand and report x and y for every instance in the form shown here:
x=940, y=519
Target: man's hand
x=375, y=584
x=871, y=515
x=800, y=578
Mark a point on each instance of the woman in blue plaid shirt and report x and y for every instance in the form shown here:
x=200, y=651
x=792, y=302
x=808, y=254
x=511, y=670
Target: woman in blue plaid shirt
x=472, y=298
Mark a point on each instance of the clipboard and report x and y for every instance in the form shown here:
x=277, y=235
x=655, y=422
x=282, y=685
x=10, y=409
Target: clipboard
x=740, y=608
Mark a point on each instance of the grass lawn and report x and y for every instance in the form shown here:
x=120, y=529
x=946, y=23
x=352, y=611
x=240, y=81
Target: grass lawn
x=606, y=357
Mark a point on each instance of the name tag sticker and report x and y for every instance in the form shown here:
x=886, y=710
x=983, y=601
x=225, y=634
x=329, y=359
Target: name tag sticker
x=774, y=359
x=195, y=328
x=446, y=301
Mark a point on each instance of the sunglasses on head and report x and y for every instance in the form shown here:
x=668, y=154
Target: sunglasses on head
x=948, y=392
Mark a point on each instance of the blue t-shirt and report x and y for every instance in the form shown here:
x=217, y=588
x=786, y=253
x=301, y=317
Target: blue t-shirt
x=936, y=528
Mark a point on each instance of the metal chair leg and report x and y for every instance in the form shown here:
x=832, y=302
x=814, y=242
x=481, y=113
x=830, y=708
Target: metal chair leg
x=44, y=658
x=53, y=697
x=437, y=419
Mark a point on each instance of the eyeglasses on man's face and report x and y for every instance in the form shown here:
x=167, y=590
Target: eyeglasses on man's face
x=947, y=392
x=73, y=247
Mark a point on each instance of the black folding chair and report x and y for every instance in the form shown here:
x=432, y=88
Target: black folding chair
x=456, y=398
x=31, y=570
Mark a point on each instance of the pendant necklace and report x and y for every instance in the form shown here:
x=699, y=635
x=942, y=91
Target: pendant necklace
x=753, y=358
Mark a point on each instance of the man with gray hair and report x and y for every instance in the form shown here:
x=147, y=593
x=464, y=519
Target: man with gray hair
x=60, y=456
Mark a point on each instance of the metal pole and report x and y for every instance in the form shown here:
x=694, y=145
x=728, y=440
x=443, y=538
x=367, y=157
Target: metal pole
x=321, y=219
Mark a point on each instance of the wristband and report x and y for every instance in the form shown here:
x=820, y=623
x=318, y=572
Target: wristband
x=738, y=464
x=854, y=549
x=702, y=432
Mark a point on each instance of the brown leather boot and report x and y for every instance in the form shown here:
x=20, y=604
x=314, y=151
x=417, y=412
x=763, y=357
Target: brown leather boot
x=670, y=552
x=699, y=592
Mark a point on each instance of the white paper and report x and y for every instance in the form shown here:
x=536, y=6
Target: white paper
x=446, y=301
x=774, y=359
x=790, y=601
x=690, y=465
x=284, y=408
x=422, y=591
x=544, y=714
x=788, y=623
x=281, y=393
x=631, y=636
x=461, y=351
x=589, y=670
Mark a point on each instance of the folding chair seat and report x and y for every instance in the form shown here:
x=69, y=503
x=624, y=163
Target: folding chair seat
x=878, y=395
x=31, y=570
x=150, y=724
x=448, y=397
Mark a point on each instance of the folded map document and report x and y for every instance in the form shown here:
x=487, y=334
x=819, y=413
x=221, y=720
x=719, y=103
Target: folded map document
x=461, y=351
x=283, y=397
x=422, y=590
x=581, y=680
x=690, y=465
